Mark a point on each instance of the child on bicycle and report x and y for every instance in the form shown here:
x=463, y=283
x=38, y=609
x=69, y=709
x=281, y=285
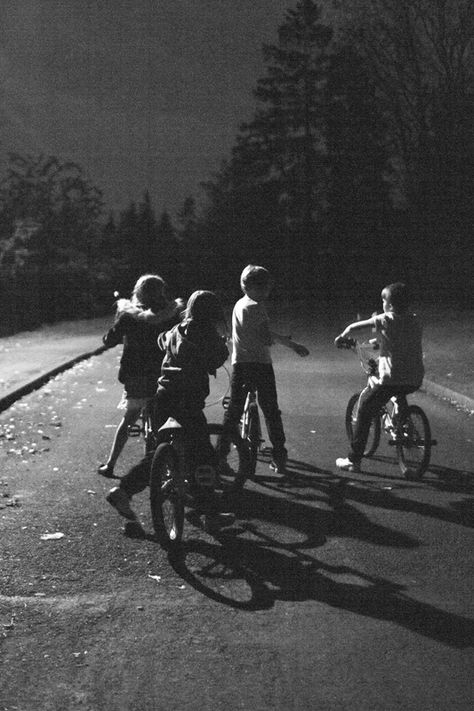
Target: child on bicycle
x=193, y=350
x=400, y=366
x=252, y=361
x=138, y=322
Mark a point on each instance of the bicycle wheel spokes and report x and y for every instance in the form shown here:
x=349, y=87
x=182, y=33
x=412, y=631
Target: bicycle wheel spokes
x=414, y=443
x=166, y=495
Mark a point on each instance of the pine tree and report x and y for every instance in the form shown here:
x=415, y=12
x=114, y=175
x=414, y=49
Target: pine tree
x=358, y=188
x=267, y=200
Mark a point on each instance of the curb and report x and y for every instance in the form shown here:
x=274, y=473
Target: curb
x=445, y=393
x=8, y=400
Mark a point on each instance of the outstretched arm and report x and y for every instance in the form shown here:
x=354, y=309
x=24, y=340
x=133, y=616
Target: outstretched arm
x=289, y=343
x=354, y=328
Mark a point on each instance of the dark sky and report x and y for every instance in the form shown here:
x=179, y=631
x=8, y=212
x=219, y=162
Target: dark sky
x=142, y=93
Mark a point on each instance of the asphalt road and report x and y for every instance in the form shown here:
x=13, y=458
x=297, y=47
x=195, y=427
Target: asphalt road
x=300, y=607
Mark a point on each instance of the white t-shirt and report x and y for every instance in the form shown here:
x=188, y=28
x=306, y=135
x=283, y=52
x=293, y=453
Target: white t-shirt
x=251, y=338
x=401, y=354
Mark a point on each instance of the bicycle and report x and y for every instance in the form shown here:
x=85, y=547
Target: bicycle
x=406, y=425
x=250, y=429
x=173, y=485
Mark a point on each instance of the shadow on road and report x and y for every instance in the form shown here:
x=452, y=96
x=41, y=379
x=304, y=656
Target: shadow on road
x=273, y=571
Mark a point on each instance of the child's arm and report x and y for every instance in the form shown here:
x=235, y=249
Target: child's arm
x=165, y=314
x=115, y=334
x=289, y=343
x=355, y=327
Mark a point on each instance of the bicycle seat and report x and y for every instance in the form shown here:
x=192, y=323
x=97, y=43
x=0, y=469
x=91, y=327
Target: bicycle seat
x=170, y=424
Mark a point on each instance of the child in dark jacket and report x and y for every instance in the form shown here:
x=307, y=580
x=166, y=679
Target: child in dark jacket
x=193, y=351
x=138, y=322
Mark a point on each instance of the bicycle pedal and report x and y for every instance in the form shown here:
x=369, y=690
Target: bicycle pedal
x=134, y=430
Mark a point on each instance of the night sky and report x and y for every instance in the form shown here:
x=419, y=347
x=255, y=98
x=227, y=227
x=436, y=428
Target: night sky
x=142, y=93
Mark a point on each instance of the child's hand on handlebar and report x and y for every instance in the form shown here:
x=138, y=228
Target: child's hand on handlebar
x=344, y=342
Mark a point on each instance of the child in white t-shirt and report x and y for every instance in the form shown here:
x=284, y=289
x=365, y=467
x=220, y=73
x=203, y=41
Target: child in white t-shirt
x=401, y=369
x=252, y=361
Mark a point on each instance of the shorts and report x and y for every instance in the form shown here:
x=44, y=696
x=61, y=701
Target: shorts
x=133, y=403
x=138, y=392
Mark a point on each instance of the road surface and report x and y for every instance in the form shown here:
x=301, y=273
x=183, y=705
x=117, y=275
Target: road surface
x=300, y=607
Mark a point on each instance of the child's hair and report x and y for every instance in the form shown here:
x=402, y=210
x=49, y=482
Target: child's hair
x=203, y=306
x=254, y=276
x=149, y=292
x=397, y=295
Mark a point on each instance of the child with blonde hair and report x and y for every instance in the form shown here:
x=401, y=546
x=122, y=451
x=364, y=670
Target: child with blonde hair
x=138, y=323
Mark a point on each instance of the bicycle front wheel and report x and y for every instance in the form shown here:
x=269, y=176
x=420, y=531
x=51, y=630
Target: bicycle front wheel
x=233, y=469
x=166, y=495
x=373, y=439
x=414, y=443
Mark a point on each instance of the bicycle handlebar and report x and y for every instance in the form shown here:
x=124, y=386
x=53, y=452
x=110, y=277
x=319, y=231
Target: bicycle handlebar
x=351, y=343
x=347, y=343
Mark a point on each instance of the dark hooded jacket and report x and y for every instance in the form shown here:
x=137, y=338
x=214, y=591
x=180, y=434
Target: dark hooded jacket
x=193, y=351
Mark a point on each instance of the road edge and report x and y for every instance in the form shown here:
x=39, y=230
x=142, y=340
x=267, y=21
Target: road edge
x=8, y=400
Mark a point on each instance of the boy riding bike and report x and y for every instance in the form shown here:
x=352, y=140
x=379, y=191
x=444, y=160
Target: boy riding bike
x=400, y=367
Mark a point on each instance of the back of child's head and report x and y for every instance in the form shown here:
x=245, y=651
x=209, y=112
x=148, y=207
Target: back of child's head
x=398, y=296
x=203, y=306
x=150, y=292
x=254, y=276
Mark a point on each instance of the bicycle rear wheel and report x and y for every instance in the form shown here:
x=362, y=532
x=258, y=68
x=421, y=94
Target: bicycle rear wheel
x=167, y=495
x=254, y=437
x=373, y=439
x=414, y=443
x=234, y=468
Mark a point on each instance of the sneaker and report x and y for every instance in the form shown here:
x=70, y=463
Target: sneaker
x=346, y=464
x=107, y=470
x=120, y=500
x=278, y=466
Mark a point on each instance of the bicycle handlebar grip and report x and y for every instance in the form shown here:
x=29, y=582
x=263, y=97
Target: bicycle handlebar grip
x=345, y=342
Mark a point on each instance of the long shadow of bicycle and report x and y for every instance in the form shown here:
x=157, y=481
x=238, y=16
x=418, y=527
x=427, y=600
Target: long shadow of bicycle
x=237, y=569
x=253, y=572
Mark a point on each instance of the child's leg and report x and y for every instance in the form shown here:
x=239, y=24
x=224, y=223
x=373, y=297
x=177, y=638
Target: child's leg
x=268, y=401
x=133, y=482
x=137, y=478
x=121, y=435
x=371, y=401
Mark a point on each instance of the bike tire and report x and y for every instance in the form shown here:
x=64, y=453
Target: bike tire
x=373, y=439
x=414, y=443
x=167, y=495
x=254, y=436
x=234, y=470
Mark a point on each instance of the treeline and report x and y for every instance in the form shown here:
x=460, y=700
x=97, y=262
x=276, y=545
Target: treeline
x=357, y=168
